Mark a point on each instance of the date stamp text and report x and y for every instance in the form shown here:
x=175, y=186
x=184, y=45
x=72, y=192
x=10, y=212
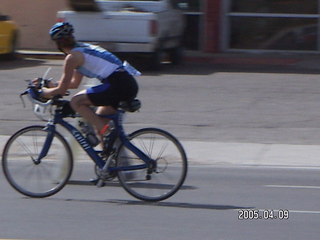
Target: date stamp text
x=266, y=214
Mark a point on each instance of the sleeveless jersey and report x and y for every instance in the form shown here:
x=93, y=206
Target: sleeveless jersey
x=98, y=62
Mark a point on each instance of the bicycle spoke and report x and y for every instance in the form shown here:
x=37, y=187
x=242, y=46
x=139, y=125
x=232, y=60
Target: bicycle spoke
x=26, y=148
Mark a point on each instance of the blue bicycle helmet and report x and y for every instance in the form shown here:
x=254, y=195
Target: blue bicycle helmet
x=61, y=30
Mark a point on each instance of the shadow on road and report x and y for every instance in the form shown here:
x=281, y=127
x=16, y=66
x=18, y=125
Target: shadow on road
x=156, y=204
x=187, y=68
x=116, y=184
x=177, y=205
x=198, y=69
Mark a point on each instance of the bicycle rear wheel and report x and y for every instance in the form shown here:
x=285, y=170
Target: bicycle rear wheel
x=171, y=165
x=29, y=176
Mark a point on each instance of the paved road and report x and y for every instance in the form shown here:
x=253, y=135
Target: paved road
x=208, y=207
x=251, y=134
x=269, y=111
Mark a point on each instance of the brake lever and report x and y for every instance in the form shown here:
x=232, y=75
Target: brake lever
x=21, y=98
x=25, y=92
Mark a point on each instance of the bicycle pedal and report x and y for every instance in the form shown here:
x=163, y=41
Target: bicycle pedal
x=100, y=183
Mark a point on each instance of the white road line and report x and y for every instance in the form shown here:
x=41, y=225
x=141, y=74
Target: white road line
x=292, y=186
x=302, y=211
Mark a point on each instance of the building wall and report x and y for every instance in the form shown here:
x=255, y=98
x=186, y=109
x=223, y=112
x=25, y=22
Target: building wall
x=34, y=18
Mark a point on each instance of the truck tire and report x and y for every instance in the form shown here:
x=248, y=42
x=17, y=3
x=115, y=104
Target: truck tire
x=176, y=55
x=156, y=59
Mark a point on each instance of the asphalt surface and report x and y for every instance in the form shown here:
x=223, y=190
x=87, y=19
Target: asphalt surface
x=248, y=109
x=250, y=126
x=215, y=203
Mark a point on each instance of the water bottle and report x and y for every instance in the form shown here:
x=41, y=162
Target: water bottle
x=89, y=133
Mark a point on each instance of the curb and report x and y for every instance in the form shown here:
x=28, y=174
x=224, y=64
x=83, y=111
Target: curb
x=191, y=57
x=244, y=60
x=40, y=54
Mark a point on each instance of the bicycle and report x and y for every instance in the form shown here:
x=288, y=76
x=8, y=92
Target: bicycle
x=150, y=163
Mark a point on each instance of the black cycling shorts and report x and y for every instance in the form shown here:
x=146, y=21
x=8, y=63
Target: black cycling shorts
x=118, y=87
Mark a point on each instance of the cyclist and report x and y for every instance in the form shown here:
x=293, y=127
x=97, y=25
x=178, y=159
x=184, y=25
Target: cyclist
x=117, y=80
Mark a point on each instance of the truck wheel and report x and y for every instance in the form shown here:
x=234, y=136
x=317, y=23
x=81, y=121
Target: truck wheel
x=156, y=59
x=176, y=55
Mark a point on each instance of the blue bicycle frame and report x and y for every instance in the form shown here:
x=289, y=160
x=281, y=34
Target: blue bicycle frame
x=117, y=119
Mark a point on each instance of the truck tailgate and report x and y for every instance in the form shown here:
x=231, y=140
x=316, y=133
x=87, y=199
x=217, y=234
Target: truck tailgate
x=120, y=26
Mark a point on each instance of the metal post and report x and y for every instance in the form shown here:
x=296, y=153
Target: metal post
x=318, y=28
x=225, y=25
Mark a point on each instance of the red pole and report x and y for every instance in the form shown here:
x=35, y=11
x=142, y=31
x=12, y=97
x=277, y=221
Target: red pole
x=212, y=25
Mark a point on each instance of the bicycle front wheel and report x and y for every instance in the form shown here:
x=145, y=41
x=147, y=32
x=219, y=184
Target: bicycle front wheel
x=30, y=175
x=168, y=175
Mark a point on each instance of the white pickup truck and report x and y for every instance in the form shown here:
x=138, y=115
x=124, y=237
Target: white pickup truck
x=151, y=27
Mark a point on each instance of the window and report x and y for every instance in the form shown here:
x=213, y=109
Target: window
x=273, y=25
x=275, y=6
x=273, y=33
x=194, y=21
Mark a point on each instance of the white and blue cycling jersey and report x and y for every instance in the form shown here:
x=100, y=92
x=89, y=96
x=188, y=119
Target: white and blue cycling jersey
x=98, y=62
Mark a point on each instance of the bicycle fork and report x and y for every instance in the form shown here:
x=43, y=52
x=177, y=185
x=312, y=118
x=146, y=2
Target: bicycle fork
x=50, y=129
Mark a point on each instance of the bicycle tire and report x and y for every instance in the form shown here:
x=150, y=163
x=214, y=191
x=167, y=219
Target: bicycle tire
x=37, y=180
x=171, y=170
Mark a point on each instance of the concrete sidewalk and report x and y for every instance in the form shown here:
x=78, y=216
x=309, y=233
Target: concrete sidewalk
x=240, y=154
x=252, y=154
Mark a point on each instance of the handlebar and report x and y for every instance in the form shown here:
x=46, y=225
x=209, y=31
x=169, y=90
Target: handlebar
x=41, y=104
x=34, y=95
